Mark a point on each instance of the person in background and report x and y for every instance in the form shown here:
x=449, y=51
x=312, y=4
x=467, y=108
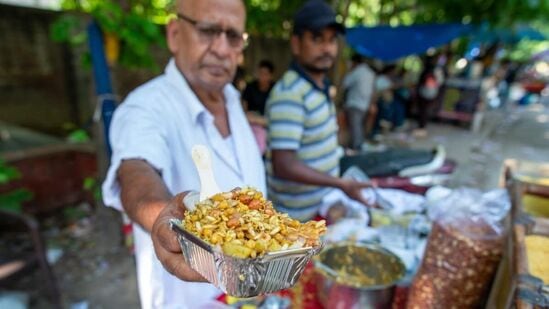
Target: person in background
x=239, y=80
x=254, y=98
x=391, y=99
x=428, y=88
x=255, y=95
x=303, y=153
x=401, y=92
x=358, y=89
x=384, y=100
x=153, y=132
x=510, y=70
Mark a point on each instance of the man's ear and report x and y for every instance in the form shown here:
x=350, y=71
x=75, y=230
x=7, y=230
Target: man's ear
x=172, y=35
x=295, y=44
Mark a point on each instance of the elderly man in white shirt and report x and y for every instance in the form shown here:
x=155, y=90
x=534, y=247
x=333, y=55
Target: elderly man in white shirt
x=153, y=132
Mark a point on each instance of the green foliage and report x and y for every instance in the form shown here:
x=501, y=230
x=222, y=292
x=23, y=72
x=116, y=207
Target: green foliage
x=137, y=35
x=73, y=214
x=138, y=22
x=92, y=185
x=12, y=200
x=137, y=28
x=79, y=136
x=405, y=12
x=63, y=30
x=7, y=173
x=498, y=13
x=273, y=17
x=526, y=49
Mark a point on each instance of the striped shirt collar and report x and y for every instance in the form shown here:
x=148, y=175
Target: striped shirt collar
x=301, y=72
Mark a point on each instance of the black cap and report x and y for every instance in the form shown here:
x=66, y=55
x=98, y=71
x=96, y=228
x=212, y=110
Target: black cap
x=316, y=15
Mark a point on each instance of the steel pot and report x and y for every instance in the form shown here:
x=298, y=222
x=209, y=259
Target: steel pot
x=357, y=275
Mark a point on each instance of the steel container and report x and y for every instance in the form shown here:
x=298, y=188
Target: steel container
x=336, y=289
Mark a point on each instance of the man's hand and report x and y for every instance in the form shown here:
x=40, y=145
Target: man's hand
x=353, y=189
x=165, y=241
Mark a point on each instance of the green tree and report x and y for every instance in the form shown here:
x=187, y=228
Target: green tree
x=273, y=17
x=136, y=25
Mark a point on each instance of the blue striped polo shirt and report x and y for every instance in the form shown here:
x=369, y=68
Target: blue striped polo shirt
x=301, y=117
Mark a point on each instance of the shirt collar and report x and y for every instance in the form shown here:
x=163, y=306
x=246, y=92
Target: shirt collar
x=196, y=108
x=301, y=72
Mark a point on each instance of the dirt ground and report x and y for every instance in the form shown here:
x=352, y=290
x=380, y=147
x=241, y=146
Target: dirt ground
x=95, y=268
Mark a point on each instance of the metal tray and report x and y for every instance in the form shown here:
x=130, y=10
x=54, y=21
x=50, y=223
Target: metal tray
x=237, y=277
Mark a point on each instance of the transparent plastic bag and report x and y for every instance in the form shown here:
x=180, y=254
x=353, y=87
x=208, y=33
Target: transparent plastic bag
x=463, y=251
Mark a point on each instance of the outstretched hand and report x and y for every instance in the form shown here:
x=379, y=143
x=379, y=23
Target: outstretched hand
x=166, y=245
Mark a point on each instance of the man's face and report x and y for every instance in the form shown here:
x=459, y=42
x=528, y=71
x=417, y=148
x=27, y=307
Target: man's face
x=207, y=61
x=316, y=51
x=264, y=75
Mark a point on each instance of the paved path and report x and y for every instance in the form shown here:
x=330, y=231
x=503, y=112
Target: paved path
x=521, y=133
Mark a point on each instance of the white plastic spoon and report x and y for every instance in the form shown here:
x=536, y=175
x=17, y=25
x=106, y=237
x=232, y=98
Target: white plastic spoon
x=202, y=161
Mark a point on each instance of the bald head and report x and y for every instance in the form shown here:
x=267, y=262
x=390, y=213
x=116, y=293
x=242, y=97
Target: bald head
x=206, y=61
x=190, y=5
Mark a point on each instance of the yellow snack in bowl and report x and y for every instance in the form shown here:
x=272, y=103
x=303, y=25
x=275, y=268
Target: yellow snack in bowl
x=245, y=225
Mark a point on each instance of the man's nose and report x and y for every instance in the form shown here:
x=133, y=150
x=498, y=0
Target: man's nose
x=220, y=46
x=329, y=46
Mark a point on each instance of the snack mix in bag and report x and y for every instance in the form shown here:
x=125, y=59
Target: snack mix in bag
x=463, y=251
x=457, y=269
x=244, y=224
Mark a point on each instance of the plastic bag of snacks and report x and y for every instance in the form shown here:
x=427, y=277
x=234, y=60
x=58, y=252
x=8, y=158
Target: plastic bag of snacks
x=463, y=251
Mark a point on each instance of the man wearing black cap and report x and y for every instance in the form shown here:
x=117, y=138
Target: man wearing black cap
x=303, y=156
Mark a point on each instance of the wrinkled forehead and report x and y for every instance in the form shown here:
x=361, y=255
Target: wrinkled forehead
x=226, y=13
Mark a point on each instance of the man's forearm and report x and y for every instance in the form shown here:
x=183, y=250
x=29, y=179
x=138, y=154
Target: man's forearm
x=143, y=193
x=295, y=170
x=256, y=119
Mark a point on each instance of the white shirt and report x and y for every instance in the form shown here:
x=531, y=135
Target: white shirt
x=359, y=86
x=383, y=83
x=160, y=122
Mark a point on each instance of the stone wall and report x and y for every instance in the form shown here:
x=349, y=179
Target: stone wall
x=37, y=86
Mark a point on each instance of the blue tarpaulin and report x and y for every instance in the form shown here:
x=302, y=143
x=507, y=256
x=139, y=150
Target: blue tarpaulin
x=391, y=43
x=102, y=78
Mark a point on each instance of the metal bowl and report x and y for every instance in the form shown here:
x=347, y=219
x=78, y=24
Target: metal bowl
x=243, y=278
x=357, y=275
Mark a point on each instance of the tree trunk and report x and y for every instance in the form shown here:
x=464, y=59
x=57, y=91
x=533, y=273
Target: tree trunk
x=340, y=62
x=382, y=17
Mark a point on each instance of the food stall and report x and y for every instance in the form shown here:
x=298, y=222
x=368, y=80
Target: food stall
x=460, y=99
x=506, y=267
x=523, y=274
x=443, y=248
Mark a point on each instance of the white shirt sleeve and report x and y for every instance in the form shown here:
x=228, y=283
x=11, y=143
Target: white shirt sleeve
x=135, y=134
